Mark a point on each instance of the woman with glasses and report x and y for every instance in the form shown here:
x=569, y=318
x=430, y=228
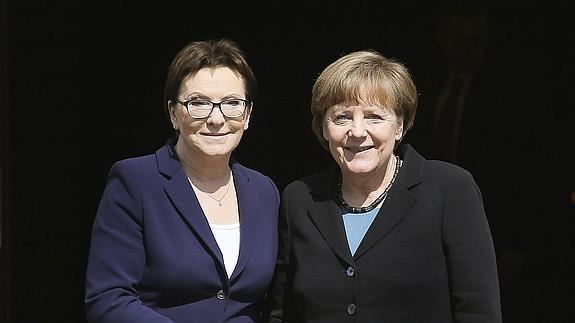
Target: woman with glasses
x=383, y=235
x=188, y=234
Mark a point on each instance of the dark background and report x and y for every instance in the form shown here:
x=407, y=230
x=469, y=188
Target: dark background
x=82, y=86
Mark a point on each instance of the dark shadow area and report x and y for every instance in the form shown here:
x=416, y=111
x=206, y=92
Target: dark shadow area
x=83, y=85
x=4, y=122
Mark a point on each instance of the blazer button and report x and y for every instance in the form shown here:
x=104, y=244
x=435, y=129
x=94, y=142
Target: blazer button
x=351, y=308
x=220, y=294
x=350, y=271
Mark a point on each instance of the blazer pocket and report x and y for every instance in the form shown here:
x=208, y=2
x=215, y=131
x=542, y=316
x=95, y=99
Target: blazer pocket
x=418, y=251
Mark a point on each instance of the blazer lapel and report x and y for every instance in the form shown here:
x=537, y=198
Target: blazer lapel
x=396, y=205
x=326, y=216
x=399, y=201
x=249, y=209
x=181, y=194
x=325, y=213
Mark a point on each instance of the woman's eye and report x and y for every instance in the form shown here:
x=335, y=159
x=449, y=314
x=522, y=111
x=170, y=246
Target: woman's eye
x=199, y=103
x=232, y=102
x=375, y=117
x=341, y=117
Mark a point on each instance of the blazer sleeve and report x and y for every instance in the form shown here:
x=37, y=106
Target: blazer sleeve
x=470, y=254
x=277, y=300
x=116, y=259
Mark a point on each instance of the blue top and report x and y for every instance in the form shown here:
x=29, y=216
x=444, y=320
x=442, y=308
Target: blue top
x=356, y=225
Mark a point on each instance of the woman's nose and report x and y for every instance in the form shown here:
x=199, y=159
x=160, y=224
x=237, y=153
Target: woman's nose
x=216, y=117
x=357, y=129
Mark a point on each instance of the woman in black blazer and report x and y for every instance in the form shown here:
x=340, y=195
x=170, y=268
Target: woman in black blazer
x=385, y=235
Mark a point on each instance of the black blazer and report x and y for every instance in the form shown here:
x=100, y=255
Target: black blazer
x=427, y=257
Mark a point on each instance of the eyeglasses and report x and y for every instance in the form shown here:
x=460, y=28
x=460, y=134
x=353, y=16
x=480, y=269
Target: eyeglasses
x=199, y=109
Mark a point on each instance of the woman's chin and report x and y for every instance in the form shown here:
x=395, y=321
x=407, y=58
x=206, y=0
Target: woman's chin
x=359, y=168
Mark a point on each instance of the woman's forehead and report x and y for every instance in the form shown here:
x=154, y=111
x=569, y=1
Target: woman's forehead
x=364, y=106
x=366, y=96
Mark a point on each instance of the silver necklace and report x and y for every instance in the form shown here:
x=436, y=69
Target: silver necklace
x=210, y=195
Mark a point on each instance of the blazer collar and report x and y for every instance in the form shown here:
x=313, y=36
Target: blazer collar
x=182, y=196
x=411, y=173
x=167, y=160
x=248, y=197
x=326, y=213
x=399, y=200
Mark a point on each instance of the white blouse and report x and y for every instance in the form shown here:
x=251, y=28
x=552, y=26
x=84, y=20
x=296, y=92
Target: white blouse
x=228, y=239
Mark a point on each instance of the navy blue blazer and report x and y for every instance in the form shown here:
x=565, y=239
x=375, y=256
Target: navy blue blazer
x=427, y=257
x=153, y=257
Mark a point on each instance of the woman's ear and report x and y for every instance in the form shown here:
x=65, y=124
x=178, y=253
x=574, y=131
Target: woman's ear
x=173, y=117
x=247, y=117
x=399, y=130
x=247, y=124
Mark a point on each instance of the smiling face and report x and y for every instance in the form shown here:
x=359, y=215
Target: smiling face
x=217, y=135
x=361, y=138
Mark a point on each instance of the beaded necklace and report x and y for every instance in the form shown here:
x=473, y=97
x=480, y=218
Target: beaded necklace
x=363, y=209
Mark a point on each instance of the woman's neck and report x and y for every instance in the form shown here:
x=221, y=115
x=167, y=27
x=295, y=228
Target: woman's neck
x=359, y=190
x=214, y=170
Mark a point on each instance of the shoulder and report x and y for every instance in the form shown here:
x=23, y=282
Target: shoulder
x=441, y=177
x=134, y=173
x=129, y=178
x=163, y=160
x=441, y=183
x=134, y=166
x=253, y=177
x=430, y=170
x=444, y=171
x=318, y=183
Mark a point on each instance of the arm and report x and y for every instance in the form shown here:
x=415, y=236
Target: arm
x=470, y=254
x=277, y=299
x=116, y=260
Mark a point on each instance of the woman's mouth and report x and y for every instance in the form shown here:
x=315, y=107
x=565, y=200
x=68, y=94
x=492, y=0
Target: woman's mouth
x=214, y=134
x=358, y=149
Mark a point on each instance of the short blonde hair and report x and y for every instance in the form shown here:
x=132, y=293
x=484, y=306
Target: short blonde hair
x=363, y=76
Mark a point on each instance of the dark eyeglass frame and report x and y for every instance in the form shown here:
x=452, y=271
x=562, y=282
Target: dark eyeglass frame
x=186, y=103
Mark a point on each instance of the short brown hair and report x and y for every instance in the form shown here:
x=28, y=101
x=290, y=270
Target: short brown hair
x=208, y=54
x=366, y=73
